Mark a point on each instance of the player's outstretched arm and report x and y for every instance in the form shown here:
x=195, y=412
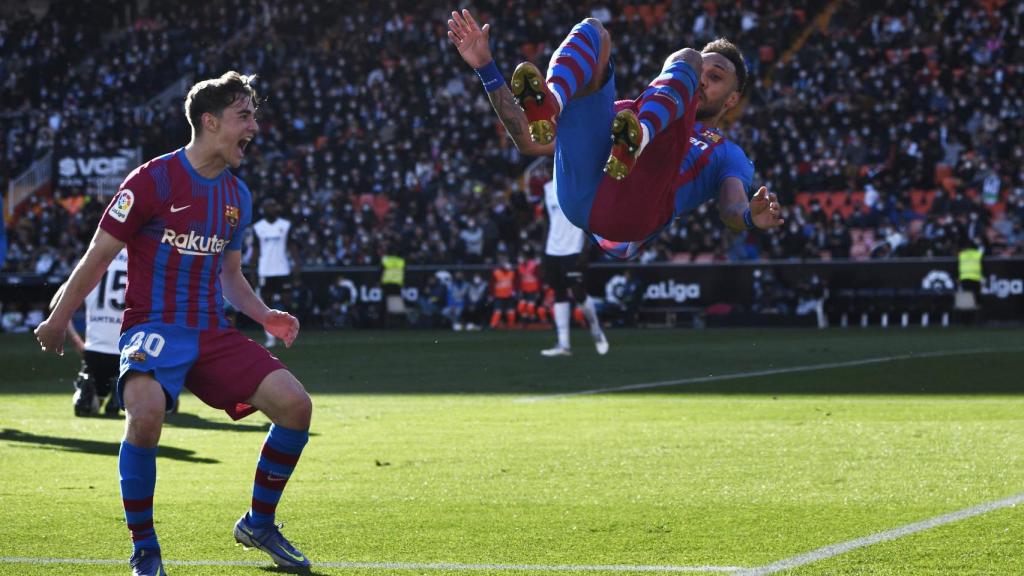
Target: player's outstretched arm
x=72, y=334
x=238, y=290
x=102, y=250
x=473, y=44
x=732, y=206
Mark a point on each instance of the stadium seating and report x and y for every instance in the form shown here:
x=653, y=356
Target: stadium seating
x=356, y=116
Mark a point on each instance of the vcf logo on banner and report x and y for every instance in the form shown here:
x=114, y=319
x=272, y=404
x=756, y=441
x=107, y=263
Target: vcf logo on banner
x=99, y=174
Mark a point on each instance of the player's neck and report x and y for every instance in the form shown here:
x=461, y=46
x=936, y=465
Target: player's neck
x=204, y=160
x=715, y=122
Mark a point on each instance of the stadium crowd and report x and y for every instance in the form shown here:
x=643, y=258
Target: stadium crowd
x=904, y=118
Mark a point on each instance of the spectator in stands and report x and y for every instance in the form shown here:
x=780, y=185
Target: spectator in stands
x=432, y=299
x=476, y=303
x=867, y=102
x=455, y=306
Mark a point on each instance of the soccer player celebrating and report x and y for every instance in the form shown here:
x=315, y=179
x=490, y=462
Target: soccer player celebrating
x=182, y=217
x=624, y=170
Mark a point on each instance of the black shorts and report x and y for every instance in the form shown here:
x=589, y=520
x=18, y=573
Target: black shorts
x=564, y=273
x=103, y=369
x=272, y=289
x=504, y=304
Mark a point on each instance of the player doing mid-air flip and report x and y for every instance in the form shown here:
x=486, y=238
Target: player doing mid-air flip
x=624, y=170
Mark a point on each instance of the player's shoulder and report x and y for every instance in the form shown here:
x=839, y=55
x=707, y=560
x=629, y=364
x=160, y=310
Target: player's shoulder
x=158, y=164
x=150, y=176
x=729, y=152
x=733, y=151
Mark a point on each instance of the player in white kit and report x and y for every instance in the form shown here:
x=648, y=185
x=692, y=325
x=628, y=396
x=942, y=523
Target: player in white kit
x=271, y=252
x=100, y=352
x=564, y=265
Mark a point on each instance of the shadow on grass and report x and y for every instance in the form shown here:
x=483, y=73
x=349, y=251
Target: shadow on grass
x=96, y=446
x=186, y=420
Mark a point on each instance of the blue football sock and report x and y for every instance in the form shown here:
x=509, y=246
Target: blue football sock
x=280, y=454
x=666, y=98
x=573, y=63
x=137, y=467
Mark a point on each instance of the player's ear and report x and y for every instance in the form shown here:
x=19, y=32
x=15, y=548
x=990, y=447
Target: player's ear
x=210, y=122
x=732, y=100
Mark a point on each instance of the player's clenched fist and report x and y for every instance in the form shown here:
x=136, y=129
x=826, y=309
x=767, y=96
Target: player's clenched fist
x=51, y=336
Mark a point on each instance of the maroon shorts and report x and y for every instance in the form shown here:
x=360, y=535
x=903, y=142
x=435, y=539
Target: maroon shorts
x=634, y=208
x=229, y=369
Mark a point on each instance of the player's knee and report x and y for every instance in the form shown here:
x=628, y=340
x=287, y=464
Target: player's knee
x=302, y=411
x=143, y=424
x=602, y=33
x=297, y=408
x=595, y=23
x=690, y=56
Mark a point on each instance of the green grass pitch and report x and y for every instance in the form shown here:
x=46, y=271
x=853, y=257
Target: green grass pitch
x=444, y=448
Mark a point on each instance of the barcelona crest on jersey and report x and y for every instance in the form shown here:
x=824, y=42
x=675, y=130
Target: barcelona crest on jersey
x=231, y=213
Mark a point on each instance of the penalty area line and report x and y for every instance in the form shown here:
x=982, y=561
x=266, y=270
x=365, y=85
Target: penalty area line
x=769, y=372
x=399, y=565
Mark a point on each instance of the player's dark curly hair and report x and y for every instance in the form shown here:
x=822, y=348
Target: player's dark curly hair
x=733, y=54
x=216, y=94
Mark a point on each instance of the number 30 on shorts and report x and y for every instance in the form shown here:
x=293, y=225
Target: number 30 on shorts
x=151, y=343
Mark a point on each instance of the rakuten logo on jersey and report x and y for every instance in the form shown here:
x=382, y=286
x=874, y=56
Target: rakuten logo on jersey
x=193, y=243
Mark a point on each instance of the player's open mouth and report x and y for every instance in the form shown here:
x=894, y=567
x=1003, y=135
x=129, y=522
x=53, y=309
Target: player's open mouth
x=242, y=144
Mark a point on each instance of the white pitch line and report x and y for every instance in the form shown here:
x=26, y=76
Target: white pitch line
x=770, y=372
x=398, y=565
x=844, y=547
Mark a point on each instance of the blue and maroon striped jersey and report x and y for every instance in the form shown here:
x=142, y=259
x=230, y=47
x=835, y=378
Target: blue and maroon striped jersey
x=711, y=159
x=177, y=224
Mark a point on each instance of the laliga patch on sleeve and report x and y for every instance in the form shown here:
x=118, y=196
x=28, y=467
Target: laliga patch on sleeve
x=122, y=205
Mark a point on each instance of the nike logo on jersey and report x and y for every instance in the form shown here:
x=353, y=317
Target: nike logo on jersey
x=179, y=209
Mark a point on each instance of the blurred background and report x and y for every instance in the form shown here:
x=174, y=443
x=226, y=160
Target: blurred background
x=891, y=131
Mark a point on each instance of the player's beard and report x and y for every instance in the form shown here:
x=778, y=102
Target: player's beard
x=710, y=109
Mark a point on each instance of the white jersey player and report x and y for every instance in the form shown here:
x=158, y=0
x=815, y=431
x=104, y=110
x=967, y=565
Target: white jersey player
x=271, y=252
x=100, y=352
x=564, y=266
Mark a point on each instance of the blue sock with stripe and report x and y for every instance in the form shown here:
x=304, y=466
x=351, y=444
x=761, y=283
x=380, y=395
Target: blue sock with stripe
x=137, y=467
x=665, y=99
x=280, y=454
x=573, y=63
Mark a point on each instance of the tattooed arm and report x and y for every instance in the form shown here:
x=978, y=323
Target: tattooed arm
x=472, y=42
x=514, y=119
